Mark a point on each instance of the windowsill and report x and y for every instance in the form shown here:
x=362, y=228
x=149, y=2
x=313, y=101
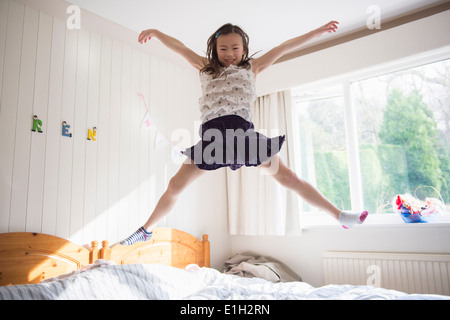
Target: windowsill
x=320, y=220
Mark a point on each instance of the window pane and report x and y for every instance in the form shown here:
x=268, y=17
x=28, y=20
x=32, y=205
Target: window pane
x=323, y=151
x=404, y=134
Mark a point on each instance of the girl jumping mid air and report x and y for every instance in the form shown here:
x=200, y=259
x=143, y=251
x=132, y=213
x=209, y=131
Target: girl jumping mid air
x=227, y=77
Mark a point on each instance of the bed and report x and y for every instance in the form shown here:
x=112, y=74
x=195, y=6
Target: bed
x=27, y=258
x=168, y=246
x=173, y=266
x=30, y=258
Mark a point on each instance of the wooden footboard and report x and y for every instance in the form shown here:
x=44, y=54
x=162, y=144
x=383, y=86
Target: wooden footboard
x=32, y=257
x=168, y=246
x=27, y=257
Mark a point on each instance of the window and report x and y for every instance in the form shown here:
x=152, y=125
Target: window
x=322, y=146
x=404, y=134
x=361, y=142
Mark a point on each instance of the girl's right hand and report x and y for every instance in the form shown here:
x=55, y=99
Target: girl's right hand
x=175, y=45
x=146, y=35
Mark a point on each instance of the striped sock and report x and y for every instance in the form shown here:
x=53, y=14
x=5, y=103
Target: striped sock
x=348, y=219
x=140, y=235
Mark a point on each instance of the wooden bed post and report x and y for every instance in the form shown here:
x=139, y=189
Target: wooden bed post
x=93, y=253
x=206, y=248
x=105, y=251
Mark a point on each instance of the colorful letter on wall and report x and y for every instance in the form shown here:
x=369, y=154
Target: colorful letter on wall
x=65, y=130
x=37, y=124
x=92, y=134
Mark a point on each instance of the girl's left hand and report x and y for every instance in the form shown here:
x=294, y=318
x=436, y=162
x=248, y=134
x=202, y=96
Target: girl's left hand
x=329, y=27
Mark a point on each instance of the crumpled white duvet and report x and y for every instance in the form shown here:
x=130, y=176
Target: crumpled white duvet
x=157, y=281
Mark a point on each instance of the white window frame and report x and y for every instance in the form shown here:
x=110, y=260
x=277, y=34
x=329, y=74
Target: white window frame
x=321, y=219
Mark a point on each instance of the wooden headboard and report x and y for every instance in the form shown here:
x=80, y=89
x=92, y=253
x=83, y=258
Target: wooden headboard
x=27, y=258
x=168, y=246
x=32, y=257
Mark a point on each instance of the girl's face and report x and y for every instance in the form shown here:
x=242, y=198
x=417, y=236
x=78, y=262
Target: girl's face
x=230, y=49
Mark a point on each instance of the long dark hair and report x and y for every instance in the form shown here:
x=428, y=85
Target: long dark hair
x=214, y=67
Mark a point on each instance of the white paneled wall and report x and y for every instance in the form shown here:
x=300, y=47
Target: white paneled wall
x=73, y=187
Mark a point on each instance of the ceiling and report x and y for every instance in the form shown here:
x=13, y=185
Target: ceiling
x=268, y=22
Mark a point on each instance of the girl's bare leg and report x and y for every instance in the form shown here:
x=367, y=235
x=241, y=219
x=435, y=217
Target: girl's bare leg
x=187, y=174
x=290, y=180
x=287, y=178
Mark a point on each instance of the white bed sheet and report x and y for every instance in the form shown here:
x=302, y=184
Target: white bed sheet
x=160, y=282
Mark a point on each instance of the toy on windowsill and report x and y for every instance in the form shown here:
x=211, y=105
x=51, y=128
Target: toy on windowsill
x=413, y=210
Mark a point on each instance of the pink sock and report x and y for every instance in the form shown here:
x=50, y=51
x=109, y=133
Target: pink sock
x=348, y=219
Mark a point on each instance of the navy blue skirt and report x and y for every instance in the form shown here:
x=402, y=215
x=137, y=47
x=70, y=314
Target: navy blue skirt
x=231, y=141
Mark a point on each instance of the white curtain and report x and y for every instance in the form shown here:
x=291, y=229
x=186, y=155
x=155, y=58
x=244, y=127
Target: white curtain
x=257, y=203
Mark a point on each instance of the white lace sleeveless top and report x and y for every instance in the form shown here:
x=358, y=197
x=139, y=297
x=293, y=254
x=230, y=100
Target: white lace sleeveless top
x=231, y=93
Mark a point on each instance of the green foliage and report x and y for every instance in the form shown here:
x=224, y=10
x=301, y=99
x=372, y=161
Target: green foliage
x=332, y=177
x=407, y=121
x=410, y=154
x=385, y=174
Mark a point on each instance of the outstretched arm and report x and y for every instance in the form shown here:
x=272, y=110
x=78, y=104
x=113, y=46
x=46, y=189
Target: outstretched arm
x=175, y=45
x=265, y=61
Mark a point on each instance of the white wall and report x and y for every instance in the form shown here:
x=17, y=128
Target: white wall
x=383, y=47
x=93, y=190
x=304, y=253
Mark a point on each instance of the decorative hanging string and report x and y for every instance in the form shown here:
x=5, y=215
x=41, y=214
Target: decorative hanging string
x=160, y=138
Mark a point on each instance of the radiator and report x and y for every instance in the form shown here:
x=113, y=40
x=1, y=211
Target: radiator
x=406, y=272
